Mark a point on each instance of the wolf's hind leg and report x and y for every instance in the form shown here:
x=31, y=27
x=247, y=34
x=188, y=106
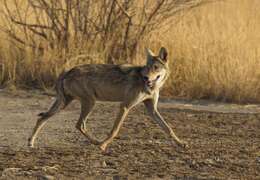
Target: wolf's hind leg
x=86, y=107
x=57, y=105
x=117, y=125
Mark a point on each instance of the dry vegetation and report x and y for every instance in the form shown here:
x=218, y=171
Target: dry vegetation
x=214, y=49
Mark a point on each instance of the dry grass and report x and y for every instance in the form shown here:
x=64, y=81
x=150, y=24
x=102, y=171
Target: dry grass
x=214, y=53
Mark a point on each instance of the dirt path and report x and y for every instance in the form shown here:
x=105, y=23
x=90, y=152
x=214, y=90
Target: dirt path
x=222, y=145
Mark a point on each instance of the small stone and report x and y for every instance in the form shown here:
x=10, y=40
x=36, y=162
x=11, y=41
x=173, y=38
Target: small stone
x=210, y=161
x=51, y=169
x=160, y=175
x=11, y=171
x=45, y=177
x=104, y=164
x=190, y=115
x=210, y=116
x=258, y=159
x=109, y=163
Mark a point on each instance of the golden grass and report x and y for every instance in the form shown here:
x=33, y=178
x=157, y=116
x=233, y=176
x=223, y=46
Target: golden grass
x=214, y=53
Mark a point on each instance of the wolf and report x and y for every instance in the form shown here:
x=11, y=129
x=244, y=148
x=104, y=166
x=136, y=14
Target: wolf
x=125, y=83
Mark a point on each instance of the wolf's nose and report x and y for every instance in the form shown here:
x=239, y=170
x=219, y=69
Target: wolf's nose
x=147, y=80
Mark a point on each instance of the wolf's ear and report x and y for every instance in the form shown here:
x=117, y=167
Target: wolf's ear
x=150, y=55
x=163, y=54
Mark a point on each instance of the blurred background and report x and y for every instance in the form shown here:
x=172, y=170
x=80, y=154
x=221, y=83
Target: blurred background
x=214, y=46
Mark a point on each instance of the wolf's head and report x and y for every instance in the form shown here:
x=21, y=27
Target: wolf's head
x=155, y=71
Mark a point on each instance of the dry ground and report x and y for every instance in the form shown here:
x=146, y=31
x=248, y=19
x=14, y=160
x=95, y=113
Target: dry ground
x=222, y=145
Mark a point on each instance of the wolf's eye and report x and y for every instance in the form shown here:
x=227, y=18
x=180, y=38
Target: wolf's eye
x=145, y=78
x=158, y=77
x=155, y=67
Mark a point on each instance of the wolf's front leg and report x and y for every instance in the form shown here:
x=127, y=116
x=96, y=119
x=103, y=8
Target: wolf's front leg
x=117, y=125
x=155, y=115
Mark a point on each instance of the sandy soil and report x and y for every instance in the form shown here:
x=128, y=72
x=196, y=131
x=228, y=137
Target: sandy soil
x=223, y=145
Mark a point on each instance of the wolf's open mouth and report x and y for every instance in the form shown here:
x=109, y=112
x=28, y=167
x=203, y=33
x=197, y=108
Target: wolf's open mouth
x=150, y=85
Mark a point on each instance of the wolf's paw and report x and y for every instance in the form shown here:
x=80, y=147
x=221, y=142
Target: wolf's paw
x=183, y=144
x=30, y=143
x=103, y=147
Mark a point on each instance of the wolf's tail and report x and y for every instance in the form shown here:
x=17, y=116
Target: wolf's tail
x=61, y=99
